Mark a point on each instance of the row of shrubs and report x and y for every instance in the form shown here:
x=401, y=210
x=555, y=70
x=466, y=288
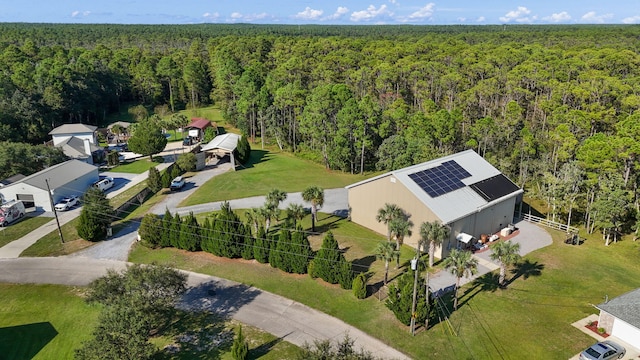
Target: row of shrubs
x=226, y=235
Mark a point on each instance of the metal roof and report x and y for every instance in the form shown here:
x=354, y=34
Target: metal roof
x=199, y=123
x=73, y=147
x=73, y=129
x=456, y=204
x=227, y=142
x=625, y=307
x=58, y=175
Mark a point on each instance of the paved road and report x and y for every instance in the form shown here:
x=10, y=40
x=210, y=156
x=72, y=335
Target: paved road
x=287, y=319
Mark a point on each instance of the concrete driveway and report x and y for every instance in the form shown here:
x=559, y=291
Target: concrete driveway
x=531, y=237
x=284, y=318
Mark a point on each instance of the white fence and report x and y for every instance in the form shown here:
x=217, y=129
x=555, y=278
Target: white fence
x=548, y=223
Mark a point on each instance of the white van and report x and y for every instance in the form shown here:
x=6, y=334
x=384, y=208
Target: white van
x=11, y=211
x=104, y=184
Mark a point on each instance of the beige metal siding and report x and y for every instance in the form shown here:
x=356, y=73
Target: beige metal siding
x=366, y=199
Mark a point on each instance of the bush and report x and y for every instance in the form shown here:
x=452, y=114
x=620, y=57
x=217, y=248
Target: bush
x=243, y=150
x=360, y=286
x=151, y=231
x=95, y=217
x=154, y=181
x=113, y=158
x=187, y=162
x=240, y=347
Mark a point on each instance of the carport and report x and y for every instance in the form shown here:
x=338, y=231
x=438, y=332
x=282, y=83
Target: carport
x=222, y=145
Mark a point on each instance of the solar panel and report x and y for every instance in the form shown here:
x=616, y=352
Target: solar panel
x=442, y=179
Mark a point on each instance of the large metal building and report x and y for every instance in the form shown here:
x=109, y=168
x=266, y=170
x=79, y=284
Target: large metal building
x=71, y=177
x=462, y=191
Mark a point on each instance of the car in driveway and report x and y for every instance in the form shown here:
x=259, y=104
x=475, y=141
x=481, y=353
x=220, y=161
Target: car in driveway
x=104, y=184
x=177, y=183
x=604, y=350
x=67, y=203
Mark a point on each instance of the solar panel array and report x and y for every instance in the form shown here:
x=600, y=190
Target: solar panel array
x=441, y=179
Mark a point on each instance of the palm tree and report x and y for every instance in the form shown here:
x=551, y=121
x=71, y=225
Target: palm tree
x=315, y=196
x=400, y=227
x=434, y=234
x=254, y=217
x=386, y=251
x=386, y=214
x=460, y=263
x=296, y=212
x=268, y=213
x=507, y=253
x=275, y=197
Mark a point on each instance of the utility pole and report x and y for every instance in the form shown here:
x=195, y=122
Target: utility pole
x=54, y=210
x=414, y=267
x=426, y=297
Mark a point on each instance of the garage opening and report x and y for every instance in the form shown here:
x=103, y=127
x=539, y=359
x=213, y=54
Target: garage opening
x=27, y=199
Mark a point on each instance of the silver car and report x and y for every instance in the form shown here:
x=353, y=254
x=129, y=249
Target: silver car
x=604, y=350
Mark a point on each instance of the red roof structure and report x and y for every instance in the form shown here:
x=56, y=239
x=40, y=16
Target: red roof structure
x=200, y=123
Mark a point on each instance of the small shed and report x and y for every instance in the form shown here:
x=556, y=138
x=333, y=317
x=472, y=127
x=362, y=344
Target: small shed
x=198, y=126
x=71, y=177
x=222, y=145
x=620, y=317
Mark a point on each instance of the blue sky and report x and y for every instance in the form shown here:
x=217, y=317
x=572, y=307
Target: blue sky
x=351, y=12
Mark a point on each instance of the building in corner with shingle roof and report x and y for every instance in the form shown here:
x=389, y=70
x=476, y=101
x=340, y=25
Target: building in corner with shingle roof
x=71, y=177
x=620, y=317
x=462, y=191
x=78, y=141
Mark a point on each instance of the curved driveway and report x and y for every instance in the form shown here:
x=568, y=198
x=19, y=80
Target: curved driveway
x=284, y=318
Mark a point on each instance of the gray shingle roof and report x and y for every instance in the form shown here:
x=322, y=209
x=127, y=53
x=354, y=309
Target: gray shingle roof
x=73, y=129
x=625, y=307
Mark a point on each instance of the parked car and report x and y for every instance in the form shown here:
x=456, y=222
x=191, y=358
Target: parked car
x=104, y=184
x=11, y=211
x=188, y=141
x=177, y=183
x=67, y=203
x=604, y=350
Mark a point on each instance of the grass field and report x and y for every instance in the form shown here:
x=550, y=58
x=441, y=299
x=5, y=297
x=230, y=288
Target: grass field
x=17, y=230
x=135, y=167
x=269, y=169
x=551, y=288
x=43, y=321
x=51, y=321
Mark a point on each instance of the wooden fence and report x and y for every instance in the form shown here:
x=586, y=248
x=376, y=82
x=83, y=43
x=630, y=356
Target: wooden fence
x=548, y=223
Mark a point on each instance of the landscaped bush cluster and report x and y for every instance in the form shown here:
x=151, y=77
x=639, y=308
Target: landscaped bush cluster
x=227, y=236
x=157, y=180
x=401, y=298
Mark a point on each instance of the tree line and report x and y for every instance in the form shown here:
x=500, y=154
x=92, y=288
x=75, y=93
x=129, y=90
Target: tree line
x=553, y=107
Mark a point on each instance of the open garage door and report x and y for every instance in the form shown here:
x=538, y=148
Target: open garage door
x=27, y=199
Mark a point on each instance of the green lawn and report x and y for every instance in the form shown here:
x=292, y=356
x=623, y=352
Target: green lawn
x=51, y=321
x=135, y=167
x=553, y=287
x=269, y=169
x=43, y=321
x=17, y=230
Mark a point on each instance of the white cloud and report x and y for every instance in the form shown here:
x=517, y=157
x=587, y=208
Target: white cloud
x=631, y=20
x=211, y=16
x=462, y=19
x=309, y=14
x=423, y=13
x=558, y=17
x=393, y=1
x=80, y=13
x=236, y=15
x=338, y=14
x=481, y=19
x=370, y=14
x=518, y=15
x=593, y=17
x=239, y=17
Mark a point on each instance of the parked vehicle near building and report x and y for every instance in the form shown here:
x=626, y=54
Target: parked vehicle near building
x=177, y=184
x=104, y=184
x=66, y=203
x=11, y=211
